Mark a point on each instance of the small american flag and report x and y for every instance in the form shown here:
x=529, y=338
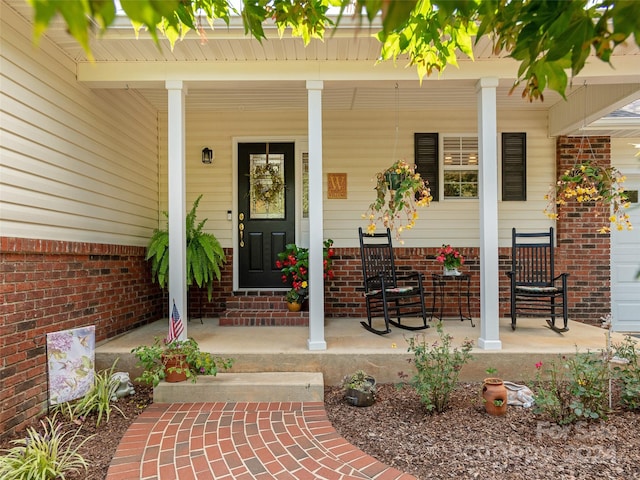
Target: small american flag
x=175, y=327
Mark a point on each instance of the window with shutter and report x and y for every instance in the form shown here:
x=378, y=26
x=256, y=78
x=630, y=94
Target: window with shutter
x=426, y=159
x=514, y=166
x=460, y=166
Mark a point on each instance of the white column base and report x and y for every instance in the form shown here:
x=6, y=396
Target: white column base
x=489, y=344
x=311, y=345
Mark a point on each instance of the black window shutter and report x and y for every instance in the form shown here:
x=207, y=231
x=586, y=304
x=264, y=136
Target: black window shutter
x=514, y=166
x=426, y=158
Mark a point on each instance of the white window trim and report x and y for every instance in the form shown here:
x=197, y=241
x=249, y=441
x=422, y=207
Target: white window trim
x=442, y=166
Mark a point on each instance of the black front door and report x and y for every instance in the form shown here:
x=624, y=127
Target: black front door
x=266, y=203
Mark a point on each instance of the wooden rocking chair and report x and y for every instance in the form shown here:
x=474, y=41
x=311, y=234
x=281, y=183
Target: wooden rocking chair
x=535, y=289
x=387, y=293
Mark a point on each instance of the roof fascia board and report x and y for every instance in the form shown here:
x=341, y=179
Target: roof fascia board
x=118, y=72
x=588, y=104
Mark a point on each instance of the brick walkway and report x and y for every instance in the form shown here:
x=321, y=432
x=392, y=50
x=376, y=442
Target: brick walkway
x=225, y=441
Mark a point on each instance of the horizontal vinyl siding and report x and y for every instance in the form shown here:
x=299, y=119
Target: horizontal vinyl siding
x=541, y=168
x=360, y=144
x=77, y=164
x=216, y=131
x=623, y=154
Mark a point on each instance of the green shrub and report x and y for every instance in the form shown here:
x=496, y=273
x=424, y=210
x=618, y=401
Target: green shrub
x=438, y=366
x=48, y=455
x=99, y=399
x=150, y=358
x=627, y=374
x=576, y=389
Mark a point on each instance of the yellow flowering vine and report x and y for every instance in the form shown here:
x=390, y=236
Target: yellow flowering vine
x=590, y=182
x=400, y=190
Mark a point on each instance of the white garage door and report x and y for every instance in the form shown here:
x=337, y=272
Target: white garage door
x=625, y=265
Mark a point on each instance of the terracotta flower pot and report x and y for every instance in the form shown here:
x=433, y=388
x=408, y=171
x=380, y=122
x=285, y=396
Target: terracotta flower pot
x=173, y=362
x=494, y=392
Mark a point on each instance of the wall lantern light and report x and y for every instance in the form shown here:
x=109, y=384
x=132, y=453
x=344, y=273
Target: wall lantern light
x=207, y=156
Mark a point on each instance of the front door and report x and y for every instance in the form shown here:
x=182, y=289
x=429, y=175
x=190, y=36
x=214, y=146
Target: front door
x=266, y=217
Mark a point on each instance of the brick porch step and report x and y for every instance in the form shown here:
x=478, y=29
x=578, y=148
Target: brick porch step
x=261, y=309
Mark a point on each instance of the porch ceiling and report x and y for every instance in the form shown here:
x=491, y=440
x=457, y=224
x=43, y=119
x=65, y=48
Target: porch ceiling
x=347, y=48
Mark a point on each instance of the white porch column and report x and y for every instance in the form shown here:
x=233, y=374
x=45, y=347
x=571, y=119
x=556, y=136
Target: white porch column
x=176, y=92
x=488, y=190
x=316, y=339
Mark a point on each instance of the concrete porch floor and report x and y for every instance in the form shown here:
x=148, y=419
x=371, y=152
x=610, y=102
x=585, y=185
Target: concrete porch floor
x=351, y=347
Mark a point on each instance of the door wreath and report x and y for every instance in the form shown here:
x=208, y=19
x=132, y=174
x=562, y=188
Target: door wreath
x=266, y=182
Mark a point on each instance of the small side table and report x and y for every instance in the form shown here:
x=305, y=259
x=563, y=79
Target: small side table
x=439, y=282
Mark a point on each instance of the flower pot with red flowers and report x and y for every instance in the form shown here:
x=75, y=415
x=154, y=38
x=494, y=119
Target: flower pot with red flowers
x=451, y=259
x=293, y=262
x=294, y=300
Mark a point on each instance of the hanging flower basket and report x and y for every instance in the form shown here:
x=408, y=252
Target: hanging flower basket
x=394, y=180
x=399, y=193
x=590, y=182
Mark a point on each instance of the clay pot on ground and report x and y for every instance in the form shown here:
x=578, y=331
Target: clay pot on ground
x=494, y=394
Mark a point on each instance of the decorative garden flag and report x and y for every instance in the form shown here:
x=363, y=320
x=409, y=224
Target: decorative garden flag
x=175, y=326
x=71, y=363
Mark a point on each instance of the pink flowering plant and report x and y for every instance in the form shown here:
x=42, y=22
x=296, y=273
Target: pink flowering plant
x=450, y=257
x=294, y=266
x=572, y=388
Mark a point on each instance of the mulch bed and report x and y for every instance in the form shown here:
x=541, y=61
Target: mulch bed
x=101, y=447
x=463, y=442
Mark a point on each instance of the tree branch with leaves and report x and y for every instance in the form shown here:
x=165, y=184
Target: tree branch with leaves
x=546, y=37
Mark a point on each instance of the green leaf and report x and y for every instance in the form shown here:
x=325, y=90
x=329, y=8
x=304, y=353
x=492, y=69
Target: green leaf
x=556, y=76
x=397, y=14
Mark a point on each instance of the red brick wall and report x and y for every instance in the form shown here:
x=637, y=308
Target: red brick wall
x=582, y=251
x=47, y=286
x=199, y=304
x=345, y=294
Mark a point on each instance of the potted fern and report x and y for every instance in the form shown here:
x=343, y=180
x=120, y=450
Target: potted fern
x=205, y=255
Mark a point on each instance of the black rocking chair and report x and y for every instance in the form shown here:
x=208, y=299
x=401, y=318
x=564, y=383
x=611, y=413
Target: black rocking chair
x=535, y=289
x=388, y=293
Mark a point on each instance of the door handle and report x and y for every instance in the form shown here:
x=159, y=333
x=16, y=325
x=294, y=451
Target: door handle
x=241, y=228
